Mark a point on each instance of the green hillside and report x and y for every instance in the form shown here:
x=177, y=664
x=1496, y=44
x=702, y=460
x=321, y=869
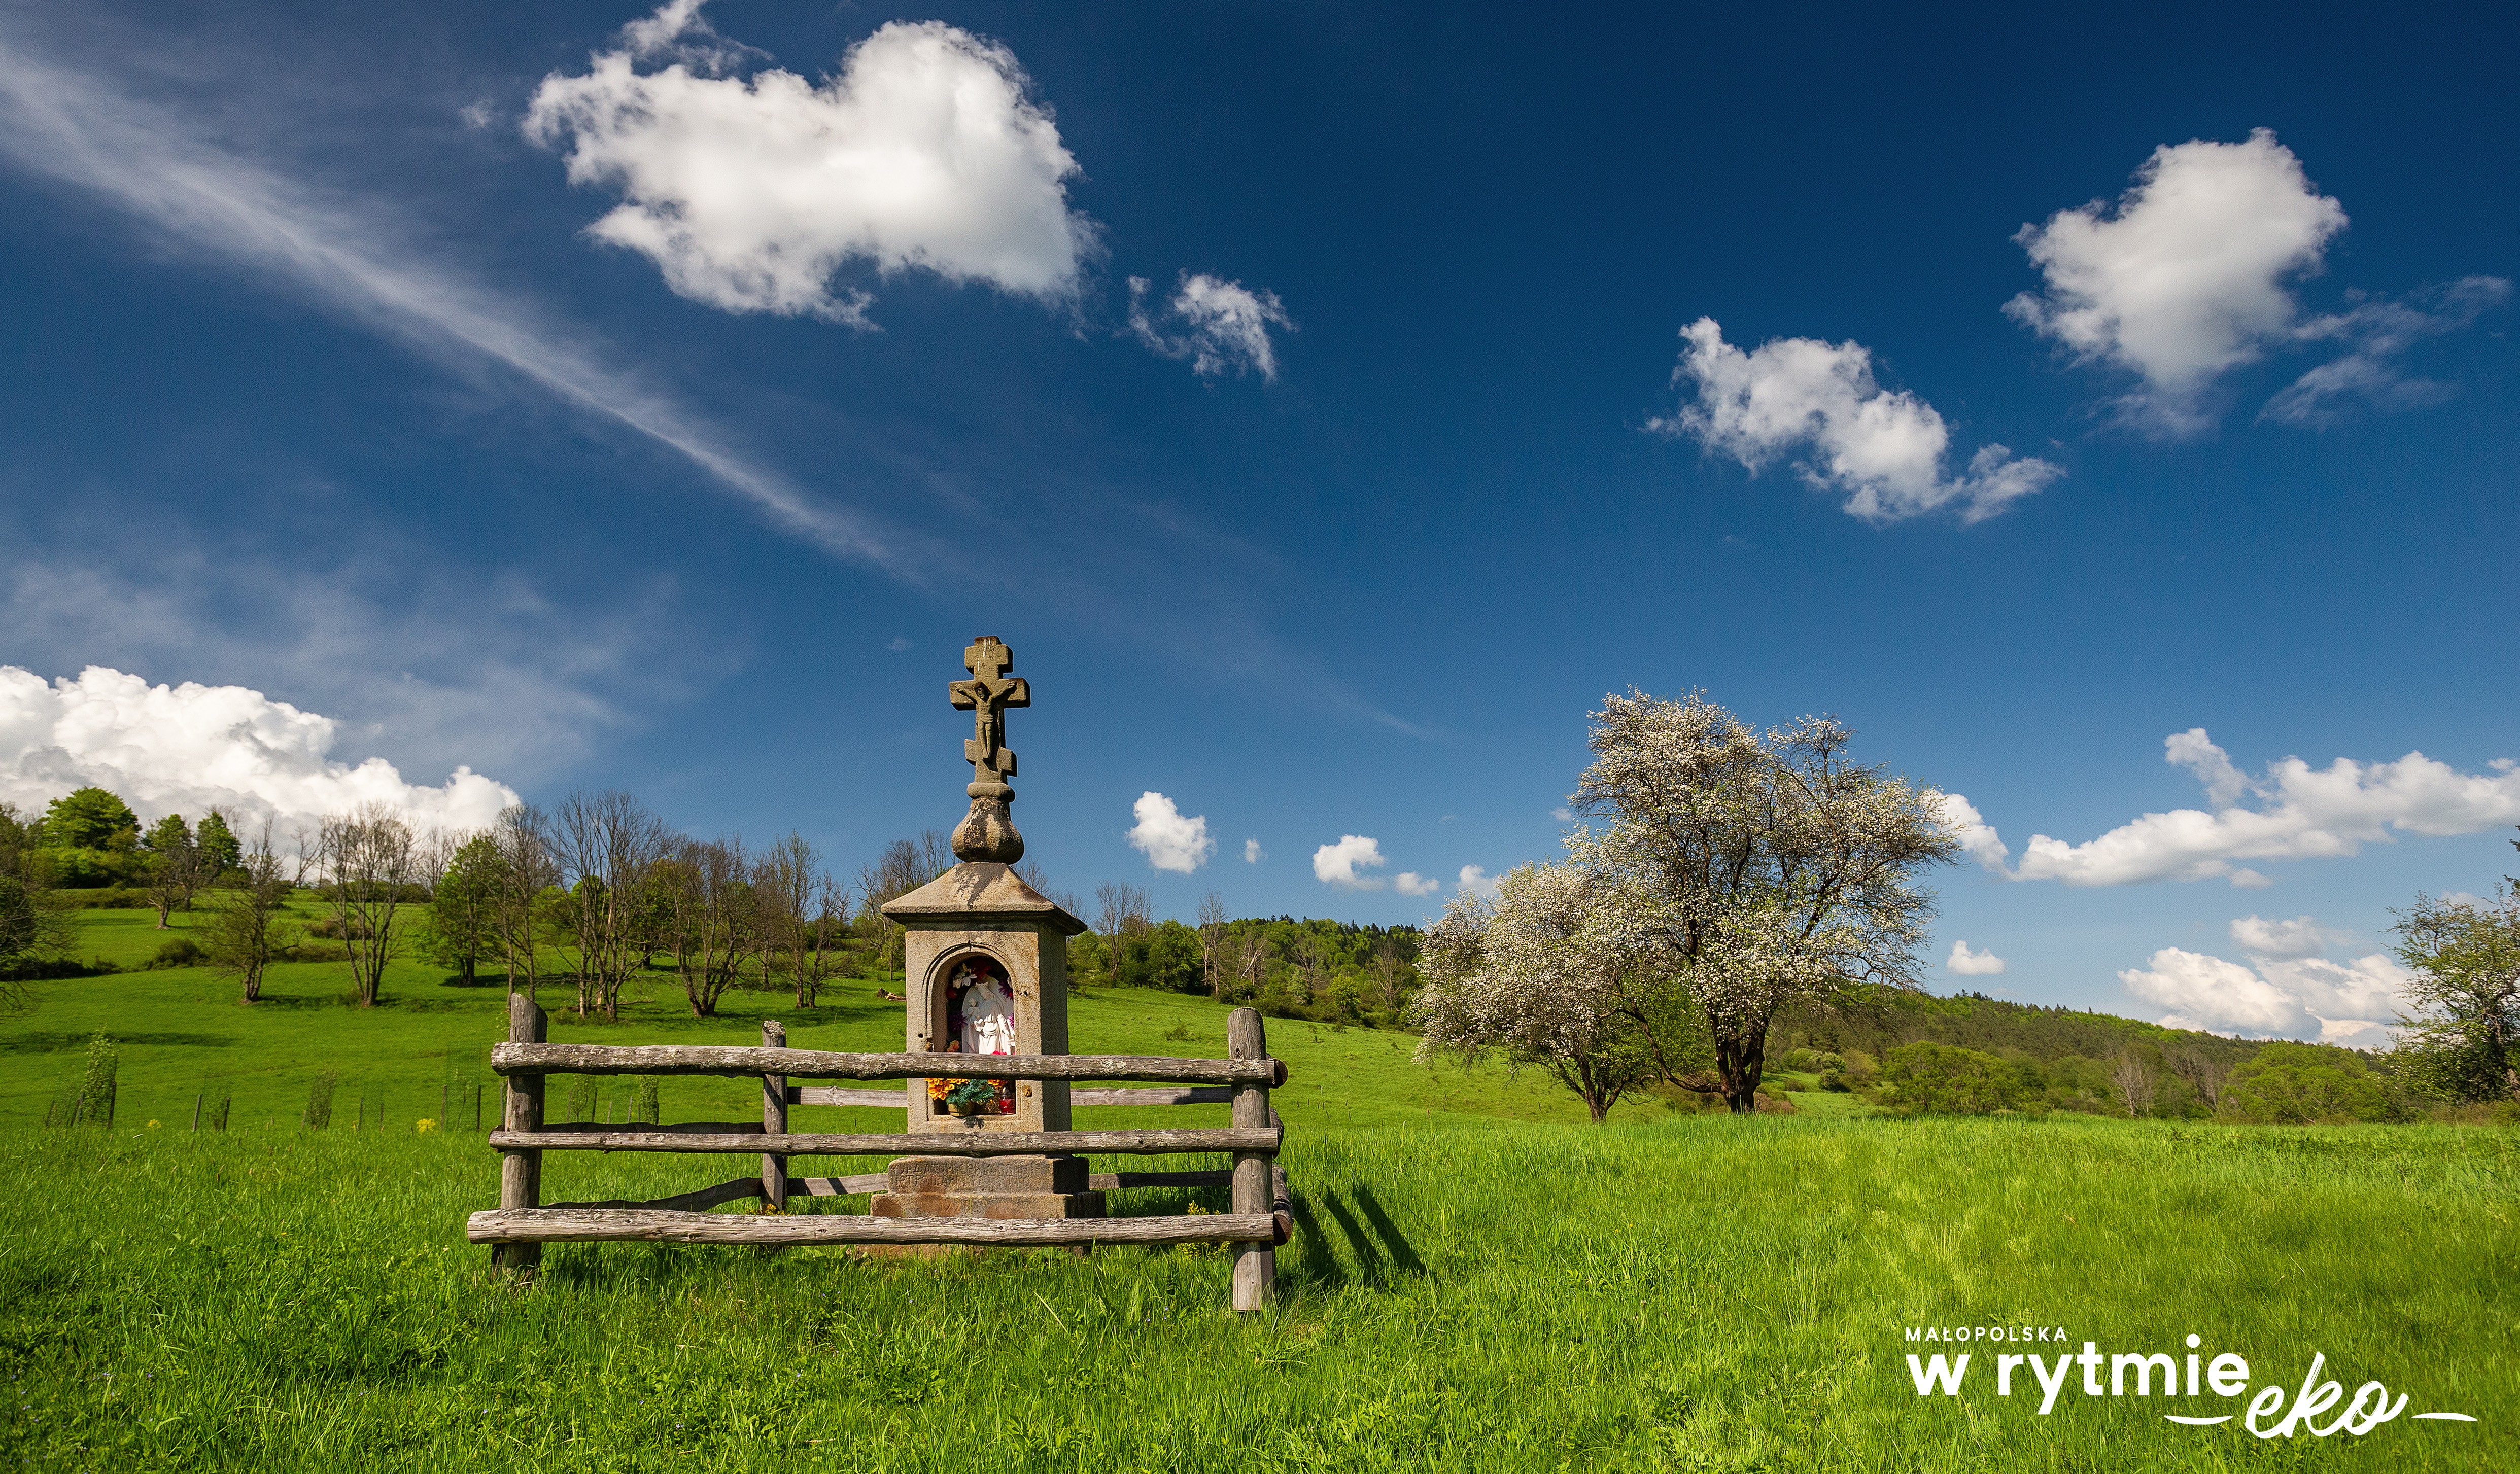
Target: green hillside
x=1479, y=1279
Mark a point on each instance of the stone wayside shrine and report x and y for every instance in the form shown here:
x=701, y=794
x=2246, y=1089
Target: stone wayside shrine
x=988, y=1156
x=985, y=967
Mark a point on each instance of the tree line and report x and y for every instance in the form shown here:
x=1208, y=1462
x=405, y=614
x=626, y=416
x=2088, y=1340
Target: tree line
x=599, y=890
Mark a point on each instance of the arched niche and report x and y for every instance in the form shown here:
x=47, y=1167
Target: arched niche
x=971, y=1010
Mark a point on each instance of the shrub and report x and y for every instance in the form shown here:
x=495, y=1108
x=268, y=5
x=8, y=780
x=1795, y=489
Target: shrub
x=319, y=1100
x=1801, y=1062
x=98, y=1089
x=2294, y=1084
x=1942, y=1080
x=182, y=952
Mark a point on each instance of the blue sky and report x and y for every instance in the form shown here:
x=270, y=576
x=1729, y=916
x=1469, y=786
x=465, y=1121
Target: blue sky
x=471, y=378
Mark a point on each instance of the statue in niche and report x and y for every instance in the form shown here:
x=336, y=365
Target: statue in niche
x=981, y=1016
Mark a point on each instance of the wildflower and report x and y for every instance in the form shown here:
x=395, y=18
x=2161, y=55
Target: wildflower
x=424, y=1124
x=153, y=1126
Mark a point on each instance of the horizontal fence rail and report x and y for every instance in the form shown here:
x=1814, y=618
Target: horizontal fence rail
x=1263, y=1140
x=867, y=1182
x=548, y=1224
x=829, y=1095
x=818, y=1064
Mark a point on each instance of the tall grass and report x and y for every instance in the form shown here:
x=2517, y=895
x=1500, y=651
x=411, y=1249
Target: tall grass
x=1703, y=1293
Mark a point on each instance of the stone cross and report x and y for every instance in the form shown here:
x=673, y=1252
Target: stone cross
x=987, y=695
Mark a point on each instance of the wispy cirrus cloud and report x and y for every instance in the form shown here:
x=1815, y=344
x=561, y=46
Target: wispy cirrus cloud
x=84, y=129
x=362, y=258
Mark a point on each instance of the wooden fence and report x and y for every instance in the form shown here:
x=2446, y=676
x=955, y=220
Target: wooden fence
x=1261, y=1216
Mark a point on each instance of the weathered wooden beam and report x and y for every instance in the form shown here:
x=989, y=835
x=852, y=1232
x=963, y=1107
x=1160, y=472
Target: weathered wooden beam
x=521, y=1173
x=774, y=1115
x=1109, y=1182
x=670, y=1128
x=693, y=1201
x=1255, y=1265
x=1179, y=1094
x=877, y=1181
x=836, y=1094
x=551, y=1225
x=1210, y=1095
x=873, y=1181
x=818, y=1064
x=1261, y=1141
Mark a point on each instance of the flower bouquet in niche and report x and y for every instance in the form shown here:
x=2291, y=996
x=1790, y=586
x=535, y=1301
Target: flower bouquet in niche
x=970, y=1097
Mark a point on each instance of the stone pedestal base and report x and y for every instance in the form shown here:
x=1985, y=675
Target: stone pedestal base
x=983, y=1188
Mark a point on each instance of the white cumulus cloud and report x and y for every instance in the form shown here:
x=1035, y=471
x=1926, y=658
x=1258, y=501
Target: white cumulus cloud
x=1252, y=854
x=2300, y=937
x=1977, y=837
x=2288, y=992
x=1800, y=396
x=2187, y=275
x=925, y=151
x=1410, y=883
x=1476, y=882
x=2300, y=813
x=1219, y=325
x=1169, y=841
x=189, y=748
x=1337, y=864
x=1970, y=963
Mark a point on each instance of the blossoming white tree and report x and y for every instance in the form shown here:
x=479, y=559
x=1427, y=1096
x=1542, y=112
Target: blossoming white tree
x=1549, y=973
x=1755, y=869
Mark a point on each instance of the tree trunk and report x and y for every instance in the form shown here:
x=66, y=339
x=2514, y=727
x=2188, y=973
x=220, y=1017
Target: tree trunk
x=1738, y=1063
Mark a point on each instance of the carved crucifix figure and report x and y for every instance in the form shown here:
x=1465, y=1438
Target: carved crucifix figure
x=987, y=695
x=988, y=832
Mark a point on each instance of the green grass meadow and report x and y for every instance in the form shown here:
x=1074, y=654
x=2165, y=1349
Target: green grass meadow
x=1478, y=1280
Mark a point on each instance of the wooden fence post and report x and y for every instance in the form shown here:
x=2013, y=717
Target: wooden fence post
x=521, y=1173
x=1255, y=1265
x=774, y=1119
x=196, y=1110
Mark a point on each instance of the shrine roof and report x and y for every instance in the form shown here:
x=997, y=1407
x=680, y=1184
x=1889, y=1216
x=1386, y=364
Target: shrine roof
x=979, y=890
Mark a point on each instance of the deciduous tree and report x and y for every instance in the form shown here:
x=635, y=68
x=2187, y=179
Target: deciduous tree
x=606, y=844
x=2462, y=1021
x=371, y=863
x=463, y=904
x=177, y=868
x=220, y=851
x=525, y=871
x=88, y=818
x=1764, y=866
x=247, y=931
x=1548, y=973
x=706, y=889
x=803, y=914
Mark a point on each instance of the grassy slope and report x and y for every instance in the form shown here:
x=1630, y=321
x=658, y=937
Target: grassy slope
x=182, y=1032
x=1467, y=1290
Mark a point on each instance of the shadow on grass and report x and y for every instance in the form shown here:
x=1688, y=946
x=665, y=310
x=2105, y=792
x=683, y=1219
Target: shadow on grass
x=1380, y=1252
x=48, y=1044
